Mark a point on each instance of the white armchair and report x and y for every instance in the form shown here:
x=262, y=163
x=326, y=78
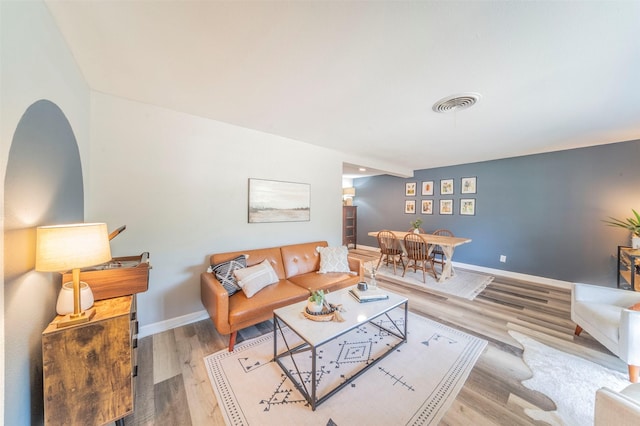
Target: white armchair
x=602, y=312
x=618, y=408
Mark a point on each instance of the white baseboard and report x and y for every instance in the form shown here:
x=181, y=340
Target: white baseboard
x=159, y=327
x=500, y=272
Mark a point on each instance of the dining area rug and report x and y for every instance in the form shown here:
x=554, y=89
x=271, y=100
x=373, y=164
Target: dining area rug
x=415, y=384
x=464, y=284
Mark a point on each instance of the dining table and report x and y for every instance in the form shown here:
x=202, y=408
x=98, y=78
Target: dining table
x=448, y=245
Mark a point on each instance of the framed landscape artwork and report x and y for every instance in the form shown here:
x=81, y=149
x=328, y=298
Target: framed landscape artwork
x=410, y=189
x=468, y=185
x=468, y=206
x=446, y=206
x=446, y=186
x=427, y=188
x=410, y=206
x=427, y=207
x=275, y=201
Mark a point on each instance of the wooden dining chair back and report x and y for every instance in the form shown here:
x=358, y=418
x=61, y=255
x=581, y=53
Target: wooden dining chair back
x=437, y=250
x=418, y=256
x=390, y=249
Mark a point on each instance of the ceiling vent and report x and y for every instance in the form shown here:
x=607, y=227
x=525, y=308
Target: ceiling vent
x=456, y=102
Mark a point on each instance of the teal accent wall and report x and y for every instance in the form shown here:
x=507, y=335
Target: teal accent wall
x=543, y=212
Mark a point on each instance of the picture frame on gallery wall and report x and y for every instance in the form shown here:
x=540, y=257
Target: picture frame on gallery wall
x=468, y=185
x=410, y=206
x=410, y=189
x=427, y=187
x=276, y=201
x=446, y=187
x=427, y=207
x=468, y=206
x=446, y=206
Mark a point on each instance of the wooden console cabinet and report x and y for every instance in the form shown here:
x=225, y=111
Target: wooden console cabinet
x=89, y=369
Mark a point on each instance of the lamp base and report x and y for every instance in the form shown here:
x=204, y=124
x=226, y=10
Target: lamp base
x=74, y=319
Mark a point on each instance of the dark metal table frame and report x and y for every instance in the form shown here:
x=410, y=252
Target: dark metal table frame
x=310, y=394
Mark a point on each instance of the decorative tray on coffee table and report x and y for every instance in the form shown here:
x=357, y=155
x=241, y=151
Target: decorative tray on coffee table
x=324, y=315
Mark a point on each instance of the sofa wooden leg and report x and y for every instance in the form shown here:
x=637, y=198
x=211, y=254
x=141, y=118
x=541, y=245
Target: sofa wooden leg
x=633, y=373
x=232, y=340
x=578, y=330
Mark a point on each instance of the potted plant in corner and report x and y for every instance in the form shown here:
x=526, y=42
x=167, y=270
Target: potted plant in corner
x=316, y=301
x=632, y=224
x=416, y=225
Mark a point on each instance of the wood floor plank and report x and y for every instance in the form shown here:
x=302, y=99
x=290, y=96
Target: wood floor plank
x=165, y=359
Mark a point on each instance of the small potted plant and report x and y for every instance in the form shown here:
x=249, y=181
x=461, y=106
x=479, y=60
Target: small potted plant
x=416, y=225
x=632, y=224
x=316, y=301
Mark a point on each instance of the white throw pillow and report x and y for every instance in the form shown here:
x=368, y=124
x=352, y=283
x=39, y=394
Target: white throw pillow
x=333, y=259
x=253, y=279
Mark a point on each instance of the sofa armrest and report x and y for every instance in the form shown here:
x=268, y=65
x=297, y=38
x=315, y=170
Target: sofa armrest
x=216, y=301
x=612, y=405
x=356, y=265
x=629, y=333
x=605, y=295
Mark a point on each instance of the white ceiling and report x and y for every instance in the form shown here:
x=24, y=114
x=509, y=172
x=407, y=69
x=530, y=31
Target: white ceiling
x=361, y=77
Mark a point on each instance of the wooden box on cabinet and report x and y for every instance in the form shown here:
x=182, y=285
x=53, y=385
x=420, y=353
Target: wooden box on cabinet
x=120, y=276
x=349, y=225
x=89, y=368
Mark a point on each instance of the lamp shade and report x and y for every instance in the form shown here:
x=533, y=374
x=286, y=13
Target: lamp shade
x=64, y=247
x=349, y=192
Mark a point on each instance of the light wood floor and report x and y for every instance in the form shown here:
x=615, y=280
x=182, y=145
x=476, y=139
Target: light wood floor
x=173, y=387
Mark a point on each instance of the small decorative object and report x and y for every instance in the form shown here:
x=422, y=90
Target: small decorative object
x=410, y=189
x=632, y=224
x=468, y=185
x=446, y=186
x=410, y=206
x=315, y=304
x=362, y=286
x=64, y=305
x=427, y=188
x=468, y=206
x=373, y=284
x=416, y=225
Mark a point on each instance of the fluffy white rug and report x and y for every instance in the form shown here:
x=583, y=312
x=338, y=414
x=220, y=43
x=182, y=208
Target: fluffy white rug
x=570, y=381
x=415, y=384
x=463, y=284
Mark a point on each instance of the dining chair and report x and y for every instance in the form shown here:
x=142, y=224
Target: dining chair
x=437, y=250
x=390, y=249
x=418, y=253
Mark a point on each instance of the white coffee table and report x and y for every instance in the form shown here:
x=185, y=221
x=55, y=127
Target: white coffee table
x=313, y=334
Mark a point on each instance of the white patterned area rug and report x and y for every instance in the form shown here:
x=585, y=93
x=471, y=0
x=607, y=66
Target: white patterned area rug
x=569, y=380
x=464, y=284
x=415, y=384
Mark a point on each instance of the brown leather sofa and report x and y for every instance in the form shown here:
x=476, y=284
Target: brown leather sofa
x=296, y=266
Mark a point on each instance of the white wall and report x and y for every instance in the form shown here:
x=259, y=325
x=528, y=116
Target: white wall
x=34, y=64
x=180, y=184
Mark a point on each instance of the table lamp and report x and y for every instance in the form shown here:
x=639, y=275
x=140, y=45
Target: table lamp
x=347, y=195
x=63, y=247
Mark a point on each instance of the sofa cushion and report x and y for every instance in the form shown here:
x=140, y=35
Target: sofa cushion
x=245, y=311
x=333, y=259
x=254, y=278
x=224, y=272
x=331, y=281
x=301, y=258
